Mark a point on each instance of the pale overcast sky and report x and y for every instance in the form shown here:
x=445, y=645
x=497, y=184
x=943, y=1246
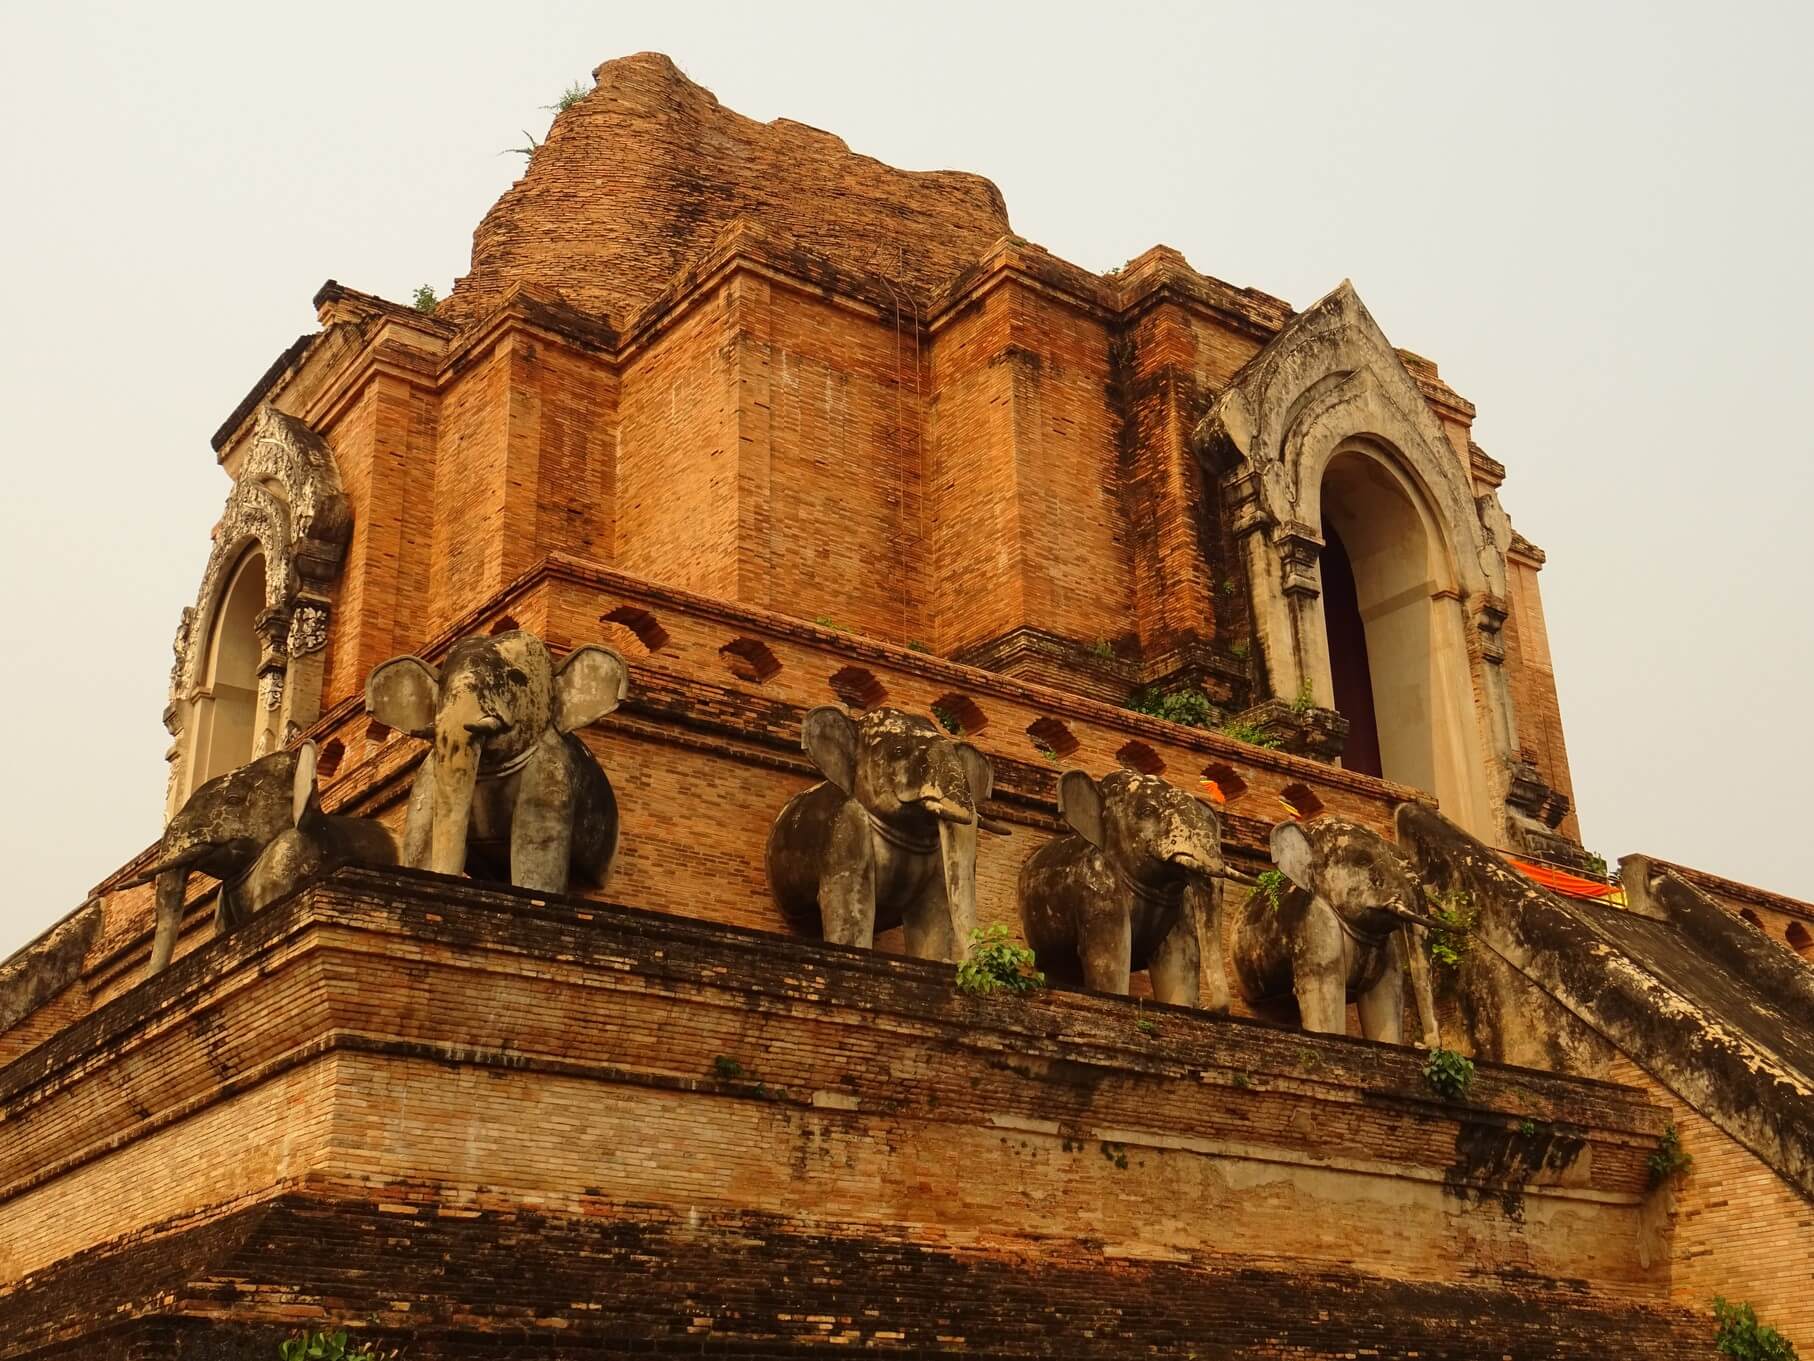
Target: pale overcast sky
x=1595, y=218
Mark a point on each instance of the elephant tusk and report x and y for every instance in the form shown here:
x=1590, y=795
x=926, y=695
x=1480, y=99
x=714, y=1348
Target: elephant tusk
x=989, y=824
x=1236, y=877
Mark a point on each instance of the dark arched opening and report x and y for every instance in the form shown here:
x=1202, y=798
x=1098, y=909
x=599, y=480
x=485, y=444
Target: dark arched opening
x=1350, y=676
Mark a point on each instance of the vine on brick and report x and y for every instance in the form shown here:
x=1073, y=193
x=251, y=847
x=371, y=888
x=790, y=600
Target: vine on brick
x=329, y=1347
x=1740, y=1335
x=997, y=964
x=1449, y=1074
x=1667, y=1161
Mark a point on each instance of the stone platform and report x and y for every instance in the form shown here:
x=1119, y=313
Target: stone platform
x=505, y=1125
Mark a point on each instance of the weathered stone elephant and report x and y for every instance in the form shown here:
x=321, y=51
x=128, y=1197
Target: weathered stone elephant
x=1130, y=888
x=1342, y=926
x=260, y=830
x=889, y=838
x=506, y=787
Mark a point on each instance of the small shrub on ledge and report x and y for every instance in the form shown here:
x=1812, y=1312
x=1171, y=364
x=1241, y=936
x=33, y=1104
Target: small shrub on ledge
x=1740, y=1335
x=1449, y=1074
x=1190, y=708
x=1667, y=1161
x=997, y=964
x=329, y=1347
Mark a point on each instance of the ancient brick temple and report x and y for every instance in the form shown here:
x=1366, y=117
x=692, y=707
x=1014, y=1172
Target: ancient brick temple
x=785, y=427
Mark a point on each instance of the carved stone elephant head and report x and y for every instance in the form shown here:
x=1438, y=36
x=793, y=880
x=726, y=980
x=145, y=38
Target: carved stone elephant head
x=888, y=838
x=506, y=786
x=1130, y=888
x=1341, y=927
x=260, y=830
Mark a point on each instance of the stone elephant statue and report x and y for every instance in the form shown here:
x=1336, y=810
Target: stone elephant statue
x=888, y=838
x=506, y=787
x=260, y=830
x=1347, y=923
x=1131, y=887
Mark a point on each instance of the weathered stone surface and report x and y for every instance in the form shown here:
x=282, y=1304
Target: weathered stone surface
x=1735, y=1045
x=1132, y=887
x=889, y=838
x=506, y=783
x=49, y=964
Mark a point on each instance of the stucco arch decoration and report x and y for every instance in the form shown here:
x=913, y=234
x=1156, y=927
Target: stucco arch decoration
x=286, y=504
x=1328, y=385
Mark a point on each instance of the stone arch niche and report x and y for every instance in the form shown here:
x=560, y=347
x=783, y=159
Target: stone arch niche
x=247, y=673
x=1325, y=444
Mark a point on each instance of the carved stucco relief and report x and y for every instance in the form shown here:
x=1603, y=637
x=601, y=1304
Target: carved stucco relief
x=287, y=505
x=1331, y=385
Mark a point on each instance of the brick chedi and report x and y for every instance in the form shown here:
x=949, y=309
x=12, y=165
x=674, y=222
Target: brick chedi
x=756, y=434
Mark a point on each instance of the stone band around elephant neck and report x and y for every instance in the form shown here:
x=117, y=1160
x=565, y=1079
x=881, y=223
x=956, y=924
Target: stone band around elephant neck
x=1157, y=897
x=894, y=837
x=510, y=767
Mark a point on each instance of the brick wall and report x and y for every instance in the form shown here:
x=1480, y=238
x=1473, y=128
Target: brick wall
x=398, y=1037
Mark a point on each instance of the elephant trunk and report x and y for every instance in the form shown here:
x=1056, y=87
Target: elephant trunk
x=172, y=887
x=458, y=745
x=957, y=858
x=1203, y=897
x=1417, y=961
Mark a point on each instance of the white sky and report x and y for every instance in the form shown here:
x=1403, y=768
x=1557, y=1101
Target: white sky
x=1594, y=217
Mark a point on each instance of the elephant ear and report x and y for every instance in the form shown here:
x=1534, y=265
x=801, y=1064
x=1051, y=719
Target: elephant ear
x=828, y=735
x=977, y=771
x=1080, y=805
x=1294, y=855
x=302, y=789
x=588, y=685
x=401, y=693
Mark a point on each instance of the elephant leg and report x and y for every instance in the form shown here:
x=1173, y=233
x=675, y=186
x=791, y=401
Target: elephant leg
x=1105, y=940
x=541, y=824
x=1382, y=1006
x=419, y=820
x=171, y=885
x=1319, y=971
x=847, y=880
x=1176, y=965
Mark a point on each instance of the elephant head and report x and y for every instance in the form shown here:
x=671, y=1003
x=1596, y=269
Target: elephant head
x=1151, y=831
x=900, y=800
x=498, y=706
x=1130, y=888
x=1364, y=877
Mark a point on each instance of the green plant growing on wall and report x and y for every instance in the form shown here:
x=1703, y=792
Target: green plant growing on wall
x=569, y=97
x=1238, y=649
x=947, y=720
x=1449, y=1074
x=1102, y=647
x=915, y=645
x=1191, y=708
x=1248, y=733
x=1740, y=1335
x=1306, y=698
x=1527, y=1128
x=329, y=1347
x=997, y=964
x=1667, y=1161
x=726, y=1067
x=1272, y=884
x=1596, y=865
x=1045, y=749
x=1450, y=940
x=424, y=299
x=1146, y=1025
x=1228, y=585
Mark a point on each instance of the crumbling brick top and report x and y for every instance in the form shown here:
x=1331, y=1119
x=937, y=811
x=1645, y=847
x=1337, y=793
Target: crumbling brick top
x=640, y=176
